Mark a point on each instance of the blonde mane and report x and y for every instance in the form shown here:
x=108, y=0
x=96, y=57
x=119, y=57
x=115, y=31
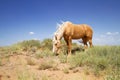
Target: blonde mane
x=61, y=28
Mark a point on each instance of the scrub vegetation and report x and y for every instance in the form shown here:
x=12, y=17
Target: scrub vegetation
x=34, y=60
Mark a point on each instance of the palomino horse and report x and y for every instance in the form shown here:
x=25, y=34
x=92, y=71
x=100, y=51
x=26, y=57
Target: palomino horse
x=72, y=31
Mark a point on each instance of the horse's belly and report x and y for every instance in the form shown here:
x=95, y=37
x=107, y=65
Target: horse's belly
x=77, y=36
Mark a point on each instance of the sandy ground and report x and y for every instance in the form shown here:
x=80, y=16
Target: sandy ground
x=17, y=67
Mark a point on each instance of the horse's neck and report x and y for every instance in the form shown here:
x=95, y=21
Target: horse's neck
x=60, y=36
x=60, y=32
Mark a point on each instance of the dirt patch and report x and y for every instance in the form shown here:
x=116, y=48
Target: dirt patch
x=18, y=67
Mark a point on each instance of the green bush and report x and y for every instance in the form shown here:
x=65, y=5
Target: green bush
x=30, y=61
x=46, y=65
x=113, y=75
x=47, y=43
x=26, y=75
x=0, y=62
x=62, y=58
x=66, y=70
x=98, y=59
x=44, y=53
x=8, y=50
x=28, y=44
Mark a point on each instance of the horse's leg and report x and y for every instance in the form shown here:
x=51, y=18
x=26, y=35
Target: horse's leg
x=90, y=42
x=69, y=46
x=68, y=41
x=85, y=42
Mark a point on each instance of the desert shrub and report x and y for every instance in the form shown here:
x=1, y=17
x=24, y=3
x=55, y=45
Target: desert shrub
x=7, y=51
x=105, y=56
x=43, y=53
x=0, y=62
x=99, y=58
x=62, y=58
x=39, y=54
x=113, y=75
x=16, y=47
x=44, y=77
x=66, y=70
x=78, y=59
x=28, y=44
x=30, y=61
x=46, y=65
x=47, y=43
x=26, y=75
x=4, y=51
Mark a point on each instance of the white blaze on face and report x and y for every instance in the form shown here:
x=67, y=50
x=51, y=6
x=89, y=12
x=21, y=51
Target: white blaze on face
x=54, y=44
x=54, y=49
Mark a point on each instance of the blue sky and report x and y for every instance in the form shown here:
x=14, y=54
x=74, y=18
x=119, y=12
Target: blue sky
x=36, y=19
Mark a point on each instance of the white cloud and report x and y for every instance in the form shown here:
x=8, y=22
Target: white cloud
x=36, y=39
x=112, y=33
x=108, y=33
x=31, y=33
x=116, y=33
x=108, y=38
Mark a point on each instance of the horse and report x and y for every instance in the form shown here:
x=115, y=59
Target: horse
x=70, y=31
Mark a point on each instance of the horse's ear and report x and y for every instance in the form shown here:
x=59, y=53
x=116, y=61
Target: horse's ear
x=55, y=37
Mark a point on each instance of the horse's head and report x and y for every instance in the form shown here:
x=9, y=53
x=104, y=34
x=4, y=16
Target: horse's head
x=57, y=37
x=56, y=44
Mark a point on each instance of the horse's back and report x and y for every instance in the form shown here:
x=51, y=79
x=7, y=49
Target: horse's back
x=83, y=30
x=77, y=31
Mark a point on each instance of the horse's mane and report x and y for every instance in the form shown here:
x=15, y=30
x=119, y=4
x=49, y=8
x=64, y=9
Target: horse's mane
x=61, y=27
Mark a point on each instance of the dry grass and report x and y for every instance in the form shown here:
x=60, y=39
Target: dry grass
x=31, y=61
x=101, y=60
